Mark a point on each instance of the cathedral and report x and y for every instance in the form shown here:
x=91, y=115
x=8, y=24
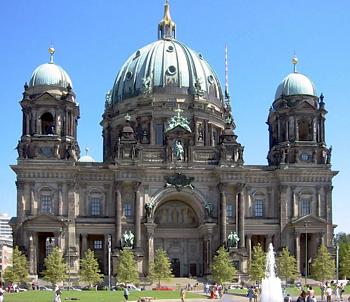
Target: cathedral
x=173, y=174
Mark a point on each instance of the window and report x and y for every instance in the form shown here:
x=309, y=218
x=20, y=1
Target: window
x=259, y=208
x=46, y=204
x=159, y=134
x=97, y=244
x=49, y=245
x=127, y=210
x=229, y=211
x=305, y=207
x=95, y=206
x=47, y=124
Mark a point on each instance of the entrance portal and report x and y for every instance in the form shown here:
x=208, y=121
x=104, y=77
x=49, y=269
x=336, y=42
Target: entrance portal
x=175, y=267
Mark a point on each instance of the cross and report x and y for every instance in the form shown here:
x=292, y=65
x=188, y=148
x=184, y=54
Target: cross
x=178, y=110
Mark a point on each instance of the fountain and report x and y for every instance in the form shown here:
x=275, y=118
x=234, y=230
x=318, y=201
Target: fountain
x=271, y=290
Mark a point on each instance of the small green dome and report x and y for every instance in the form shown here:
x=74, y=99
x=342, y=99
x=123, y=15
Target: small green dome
x=295, y=84
x=50, y=74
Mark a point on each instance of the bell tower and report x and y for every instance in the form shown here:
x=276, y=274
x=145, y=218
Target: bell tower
x=50, y=115
x=297, y=123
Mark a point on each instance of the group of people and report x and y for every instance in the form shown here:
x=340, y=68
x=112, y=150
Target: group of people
x=253, y=293
x=215, y=291
x=330, y=289
x=307, y=295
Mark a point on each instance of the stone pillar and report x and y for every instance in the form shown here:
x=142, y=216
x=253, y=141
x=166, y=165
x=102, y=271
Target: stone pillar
x=223, y=214
x=249, y=246
x=20, y=200
x=137, y=210
x=32, y=254
x=27, y=124
x=150, y=227
x=295, y=205
x=241, y=192
x=207, y=232
x=60, y=200
x=33, y=202
x=297, y=249
x=118, y=215
x=105, y=255
x=84, y=243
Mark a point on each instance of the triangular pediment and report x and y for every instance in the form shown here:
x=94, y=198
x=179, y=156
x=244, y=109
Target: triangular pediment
x=311, y=222
x=46, y=96
x=178, y=129
x=305, y=105
x=43, y=219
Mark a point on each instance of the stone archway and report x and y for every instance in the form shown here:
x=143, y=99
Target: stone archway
x=178, y=217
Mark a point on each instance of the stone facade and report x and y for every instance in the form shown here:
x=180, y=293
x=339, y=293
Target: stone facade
x=173, y=174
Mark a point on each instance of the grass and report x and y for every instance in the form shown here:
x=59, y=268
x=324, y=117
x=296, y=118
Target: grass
x=94, y=296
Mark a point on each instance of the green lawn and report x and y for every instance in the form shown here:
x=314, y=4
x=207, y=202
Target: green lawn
x=94, y=296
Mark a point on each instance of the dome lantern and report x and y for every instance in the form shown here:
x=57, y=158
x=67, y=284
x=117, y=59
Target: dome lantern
x=166, y=27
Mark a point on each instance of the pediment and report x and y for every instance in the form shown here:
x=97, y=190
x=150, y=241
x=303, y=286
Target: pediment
x=178, y=130
x=45, y=97
x=311, y=222
x=43, y=219
x=305, y=105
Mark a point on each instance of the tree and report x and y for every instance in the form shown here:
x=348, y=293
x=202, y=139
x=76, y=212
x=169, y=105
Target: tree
x=160, y=269
x=344, y=254
x=222, y=268
x=89, y=268
x=127, y=267
x=287, y=265
x=257, y=264
x=323, y=266
x=18, y=272
x=56, y=267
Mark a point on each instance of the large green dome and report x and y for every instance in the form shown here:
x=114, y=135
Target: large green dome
x=166, y=65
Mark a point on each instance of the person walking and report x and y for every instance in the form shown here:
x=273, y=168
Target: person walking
x=328, y=294
x=1, y=292
x=126, y=293
x=323, y=289
x=182, y=294
x=250, y=293
x=57, y=297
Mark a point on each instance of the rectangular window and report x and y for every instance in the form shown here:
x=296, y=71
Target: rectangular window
x=259, y=208
x=127, y=210
x=229, y=211
x=305, y=207
x=46, y=204
x=159, y=134
x=95, y=206
x=98, y=245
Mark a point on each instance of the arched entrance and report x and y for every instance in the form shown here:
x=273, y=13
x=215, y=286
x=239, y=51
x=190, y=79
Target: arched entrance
x=177, y=231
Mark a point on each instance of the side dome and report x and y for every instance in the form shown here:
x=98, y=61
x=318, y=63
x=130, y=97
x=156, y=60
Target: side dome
x=294, y=84
x=166, y=66
x=50, y=74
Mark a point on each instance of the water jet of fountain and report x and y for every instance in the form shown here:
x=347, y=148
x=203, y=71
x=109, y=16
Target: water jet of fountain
x=271, y=289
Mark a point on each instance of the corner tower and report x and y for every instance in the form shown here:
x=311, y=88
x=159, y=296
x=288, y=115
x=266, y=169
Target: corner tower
x=50, y=115
x=297, y=123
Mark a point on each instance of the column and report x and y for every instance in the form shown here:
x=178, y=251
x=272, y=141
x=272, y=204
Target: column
x=150, y=227
x=297, y=249
x=60, y=200
x=32, y=260
x=84, y=243
x=33, y=203
x=118, y=215
x=241, y=206
x=27, y=124
x=249, y=246
x=295, y=201
x=137, y=209
x=105, y=255
x=223, y=214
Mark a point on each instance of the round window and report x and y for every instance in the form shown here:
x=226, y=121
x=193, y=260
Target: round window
x=128, y=75
x=171, y=70
x=211, y=79
x=170, y=48
x=137, y=54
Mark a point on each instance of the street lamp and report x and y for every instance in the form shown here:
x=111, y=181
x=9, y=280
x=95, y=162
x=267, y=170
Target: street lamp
x=336, y=243
x=306, y=224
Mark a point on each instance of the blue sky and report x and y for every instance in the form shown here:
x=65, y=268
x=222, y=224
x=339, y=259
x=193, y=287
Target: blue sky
x=93, y=38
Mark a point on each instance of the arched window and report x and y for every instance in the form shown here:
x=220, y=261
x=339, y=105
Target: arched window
x=47, y=124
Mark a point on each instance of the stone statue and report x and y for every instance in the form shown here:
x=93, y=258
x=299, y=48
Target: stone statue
x=208, y=206
x=128, y=239
x=232, y=240
x=179, y=151
x=149, y=208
